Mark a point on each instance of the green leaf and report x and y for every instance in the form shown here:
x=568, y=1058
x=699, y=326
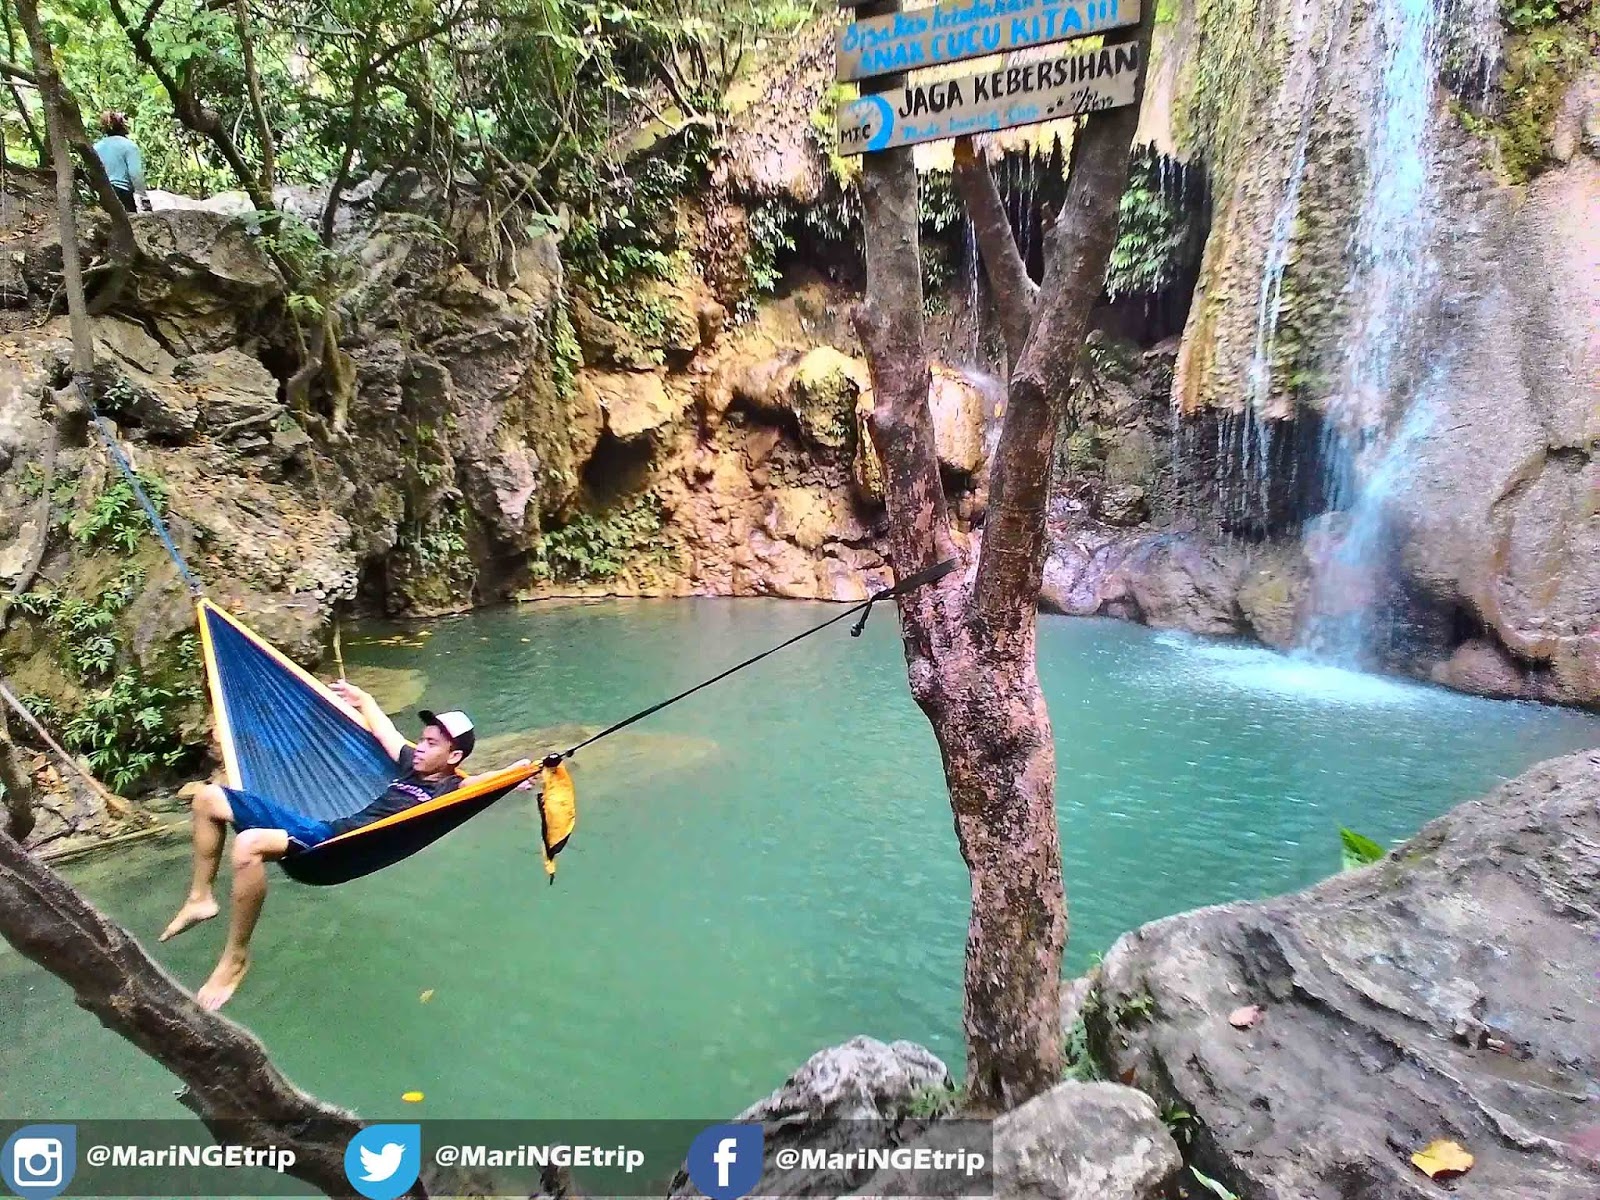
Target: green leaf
x=1359, y=851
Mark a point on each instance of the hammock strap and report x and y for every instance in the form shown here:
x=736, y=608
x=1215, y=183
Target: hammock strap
x=132, y=477
x=909, y=584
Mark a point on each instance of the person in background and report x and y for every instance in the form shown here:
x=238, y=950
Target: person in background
x=122, y=162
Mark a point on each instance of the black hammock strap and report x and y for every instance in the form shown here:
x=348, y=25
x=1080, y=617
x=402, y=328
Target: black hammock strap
x=909, y=584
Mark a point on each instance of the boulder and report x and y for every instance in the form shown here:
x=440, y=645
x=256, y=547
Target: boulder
x=822, y=396
x=1484, y=668
x=1272, y=595
x=1446, y=992
x=1085, y=1141
x=1172, y=581
x=958, y=422
x=203, y=278
x=839, y=1092
x=635, y=404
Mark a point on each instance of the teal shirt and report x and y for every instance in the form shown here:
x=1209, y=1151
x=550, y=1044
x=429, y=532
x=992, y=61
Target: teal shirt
x=122, y=162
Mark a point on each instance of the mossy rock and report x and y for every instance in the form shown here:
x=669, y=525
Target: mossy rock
x=823, y=392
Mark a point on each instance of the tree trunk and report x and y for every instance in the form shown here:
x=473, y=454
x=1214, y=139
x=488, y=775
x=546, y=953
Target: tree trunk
x=269, y=153
x=53, y=94
x=64, y=124
x=970, y=646
x=230, y=1082
x=18, y=786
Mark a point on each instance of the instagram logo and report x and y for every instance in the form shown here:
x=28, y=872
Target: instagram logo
x=38, y=1161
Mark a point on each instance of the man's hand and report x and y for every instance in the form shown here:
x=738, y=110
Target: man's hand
x=527, y=784
x=349, y=693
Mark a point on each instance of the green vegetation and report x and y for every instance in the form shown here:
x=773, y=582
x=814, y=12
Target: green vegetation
x=116, y=519
x=1077, y=1060
x=432, y=558
x=929, y=1102
x=1546, y=45
x=1152, y=229
x=1358, y=851
x=129, y=722
x=596, y=547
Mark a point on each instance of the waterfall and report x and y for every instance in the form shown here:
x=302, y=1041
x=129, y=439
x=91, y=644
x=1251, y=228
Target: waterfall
x=1393, y=274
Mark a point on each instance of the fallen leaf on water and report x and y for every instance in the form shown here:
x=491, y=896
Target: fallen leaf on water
x=1442, y=1160
x=411, y=1097
x=426, y=995
x=1244, y=1018
x=1128, y=1076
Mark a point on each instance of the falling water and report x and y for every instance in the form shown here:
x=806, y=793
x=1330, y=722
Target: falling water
x=1269, y=302
x=1393, y=273
x=974, y=311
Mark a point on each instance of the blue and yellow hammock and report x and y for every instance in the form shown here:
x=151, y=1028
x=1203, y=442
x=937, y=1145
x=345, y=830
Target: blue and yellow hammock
x=287, y=738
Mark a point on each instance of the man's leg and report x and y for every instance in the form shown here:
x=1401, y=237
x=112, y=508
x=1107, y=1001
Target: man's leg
x=253, y=849
x=211, y=817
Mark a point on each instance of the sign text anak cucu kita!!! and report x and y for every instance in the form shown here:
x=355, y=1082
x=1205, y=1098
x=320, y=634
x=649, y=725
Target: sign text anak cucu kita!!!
x=963, y=29
x=1051, y=90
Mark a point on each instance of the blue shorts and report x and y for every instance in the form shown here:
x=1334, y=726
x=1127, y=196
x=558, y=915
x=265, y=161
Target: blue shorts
x=256, y=812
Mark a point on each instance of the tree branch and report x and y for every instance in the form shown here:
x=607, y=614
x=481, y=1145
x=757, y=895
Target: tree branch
x=231, y=1084
x=189, y=110
x=1015, y=294
x=16, y=72
x=1011, y=564
x=258, y=109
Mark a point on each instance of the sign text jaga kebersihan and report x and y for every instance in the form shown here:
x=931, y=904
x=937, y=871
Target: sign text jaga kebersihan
x=1051, y=90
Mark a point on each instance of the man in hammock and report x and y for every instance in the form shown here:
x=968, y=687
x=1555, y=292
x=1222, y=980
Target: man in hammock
x=265, y=832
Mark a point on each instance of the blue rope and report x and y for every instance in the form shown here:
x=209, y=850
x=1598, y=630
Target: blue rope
x=160, y=526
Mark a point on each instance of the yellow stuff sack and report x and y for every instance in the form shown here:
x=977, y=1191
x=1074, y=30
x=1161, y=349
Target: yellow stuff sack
x=558, y=814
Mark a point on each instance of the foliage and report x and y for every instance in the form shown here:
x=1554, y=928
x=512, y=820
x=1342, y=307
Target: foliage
x=116, y=518
x=599, y=546
x=1077, y=1060
x=1544, y=50
x=435, y=548
x=1151, y=233
x=129, y=729
x=536, y=101
x=1179, y=1121
x=771, y=225
x=1358, y=851
x=129, y=725
x=933, y=1101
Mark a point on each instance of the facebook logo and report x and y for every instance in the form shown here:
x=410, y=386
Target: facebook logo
x=725, y=1161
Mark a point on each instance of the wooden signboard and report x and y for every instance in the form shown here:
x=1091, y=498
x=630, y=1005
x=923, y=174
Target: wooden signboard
x=962, y=29
x=1025, y=94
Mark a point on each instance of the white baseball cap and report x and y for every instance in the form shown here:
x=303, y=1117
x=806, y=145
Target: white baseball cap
x=457, y=727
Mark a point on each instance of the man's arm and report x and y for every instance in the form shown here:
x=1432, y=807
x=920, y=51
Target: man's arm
x=377, y=720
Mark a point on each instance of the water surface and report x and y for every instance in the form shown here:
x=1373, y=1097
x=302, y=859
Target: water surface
x=761, y=871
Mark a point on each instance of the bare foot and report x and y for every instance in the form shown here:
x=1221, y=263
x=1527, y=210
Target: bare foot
x=190, y=915
x=219, y=989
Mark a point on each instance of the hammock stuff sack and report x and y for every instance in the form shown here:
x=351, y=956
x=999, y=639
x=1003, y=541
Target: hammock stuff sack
x=287, y=738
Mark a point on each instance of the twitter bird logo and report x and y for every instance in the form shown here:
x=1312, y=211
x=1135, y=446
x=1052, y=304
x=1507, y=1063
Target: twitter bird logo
x=383, y=1161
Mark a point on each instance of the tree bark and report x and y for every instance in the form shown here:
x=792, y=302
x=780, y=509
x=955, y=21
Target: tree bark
x=1078, y=248
x=53, y=94
x=64, y=124
x=1014, y=292
x=231, y=1084
x=970, y=647
x=269, y=165
x=19, y=820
